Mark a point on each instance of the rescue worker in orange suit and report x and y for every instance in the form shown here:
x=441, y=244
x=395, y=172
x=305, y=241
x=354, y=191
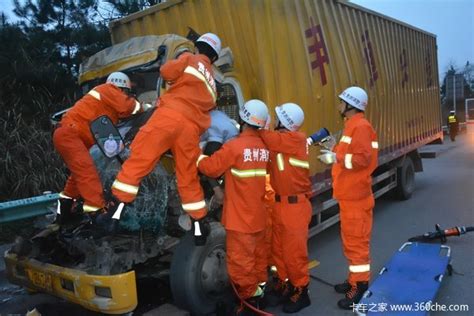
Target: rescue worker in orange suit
x=181, y=117
x=243, y=161
x=289, y=177
x=354, y=159
x=453, y=125
x=73, y=139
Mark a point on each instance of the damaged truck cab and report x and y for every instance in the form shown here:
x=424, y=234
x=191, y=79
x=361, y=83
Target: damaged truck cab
x=100, y=274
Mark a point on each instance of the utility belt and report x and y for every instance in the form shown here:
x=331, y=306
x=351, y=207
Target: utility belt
x=291, y=199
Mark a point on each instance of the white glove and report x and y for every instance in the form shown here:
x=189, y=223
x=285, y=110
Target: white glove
x=328, y=157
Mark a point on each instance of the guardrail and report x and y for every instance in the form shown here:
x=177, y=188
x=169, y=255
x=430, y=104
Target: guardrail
x=26, y=208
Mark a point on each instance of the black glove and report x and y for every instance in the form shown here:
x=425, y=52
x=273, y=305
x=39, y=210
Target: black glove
x=201, y=230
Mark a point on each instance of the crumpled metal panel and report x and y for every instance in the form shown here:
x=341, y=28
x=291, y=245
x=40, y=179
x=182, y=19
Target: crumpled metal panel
x=149, y=209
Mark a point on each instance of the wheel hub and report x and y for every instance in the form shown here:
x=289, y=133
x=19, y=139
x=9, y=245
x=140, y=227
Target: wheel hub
x=214, y=278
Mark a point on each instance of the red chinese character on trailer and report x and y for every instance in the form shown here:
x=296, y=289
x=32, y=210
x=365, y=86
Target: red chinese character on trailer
x=369, y=57
x=318, y=49
x=404, y=67
x=428, y=69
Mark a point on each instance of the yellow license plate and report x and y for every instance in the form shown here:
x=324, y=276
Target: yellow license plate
x=40, y=279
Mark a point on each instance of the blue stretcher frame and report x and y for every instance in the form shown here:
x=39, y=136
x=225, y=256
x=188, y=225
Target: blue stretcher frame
x=412, y=278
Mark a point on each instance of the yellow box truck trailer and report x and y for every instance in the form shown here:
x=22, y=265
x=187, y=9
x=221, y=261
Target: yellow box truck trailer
x=302, y=51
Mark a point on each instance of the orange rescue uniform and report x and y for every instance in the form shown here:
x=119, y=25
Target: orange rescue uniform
x=289, y=177
x=182, y=116
x=73, y=139
x=243, y=161
x=356, y=156
x=269, y=204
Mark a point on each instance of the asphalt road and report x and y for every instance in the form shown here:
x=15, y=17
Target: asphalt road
x=444, y=194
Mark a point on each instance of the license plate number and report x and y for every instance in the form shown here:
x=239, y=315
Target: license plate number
x=40, y=279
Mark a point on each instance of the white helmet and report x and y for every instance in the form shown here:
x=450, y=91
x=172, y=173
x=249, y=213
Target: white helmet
x=212, y=40
x=290, y=115
x=356, y=97
x=254, y=112
x=119, y=79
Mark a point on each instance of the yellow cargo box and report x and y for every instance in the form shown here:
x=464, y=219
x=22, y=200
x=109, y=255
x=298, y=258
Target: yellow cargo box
x=307, y=52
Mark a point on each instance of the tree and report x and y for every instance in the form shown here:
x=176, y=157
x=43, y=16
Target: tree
x=121, y=8
x=70, y=27
x=39, y=61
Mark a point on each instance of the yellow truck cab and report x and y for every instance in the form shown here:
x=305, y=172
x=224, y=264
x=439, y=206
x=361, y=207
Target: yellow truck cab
x=278, y=51
x=105, y=281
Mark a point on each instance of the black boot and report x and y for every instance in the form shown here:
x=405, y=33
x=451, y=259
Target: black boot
x=278, y=292
x=64, y=211
x=342, y=288
x=298, y=300
x=353, y=296
x=256, y=301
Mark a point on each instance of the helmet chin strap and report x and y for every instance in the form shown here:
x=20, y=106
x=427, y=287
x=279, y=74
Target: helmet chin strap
x=347, y=108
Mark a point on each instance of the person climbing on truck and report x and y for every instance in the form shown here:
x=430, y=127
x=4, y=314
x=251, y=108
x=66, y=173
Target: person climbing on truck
x=243, y=161
x=181, y=117
x=354, y=159
x=289, y=177
x=72, y=139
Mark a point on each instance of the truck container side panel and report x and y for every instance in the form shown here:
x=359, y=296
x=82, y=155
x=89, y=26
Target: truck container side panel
x=416, y=86
x=401, y=96
x=384, y=88
x=307, y=51
x=344, y=65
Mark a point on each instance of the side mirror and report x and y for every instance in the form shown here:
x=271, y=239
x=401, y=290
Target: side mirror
x=107, y=136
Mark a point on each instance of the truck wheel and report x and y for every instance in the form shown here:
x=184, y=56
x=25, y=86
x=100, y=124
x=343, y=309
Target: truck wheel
x=405, y=180
x=198, y=275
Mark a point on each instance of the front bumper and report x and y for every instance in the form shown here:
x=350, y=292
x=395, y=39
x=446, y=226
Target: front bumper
x=110, y=294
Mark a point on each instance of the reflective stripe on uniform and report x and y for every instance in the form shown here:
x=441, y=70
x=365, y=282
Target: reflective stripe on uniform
x=127, y=188
x=359, y=268
x=346, y=139
x=94, y=94
x=201, y=157
x=348, y=161
x=137, y=107
x=62, y=195
x=194, y=206
x=249, y=173
x=375, y=145
x=194, y=72
x=280, y=164
x=89, y=208
x=299, y=163
x=452, y=119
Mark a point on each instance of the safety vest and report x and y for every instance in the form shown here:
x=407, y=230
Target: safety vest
x=452, y=119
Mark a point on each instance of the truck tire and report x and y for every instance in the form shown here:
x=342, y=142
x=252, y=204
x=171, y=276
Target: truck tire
x=405, y=180
x=198, y=275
